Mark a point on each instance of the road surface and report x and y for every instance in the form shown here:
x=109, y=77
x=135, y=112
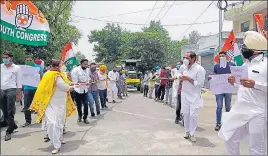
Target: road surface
x=137, y=125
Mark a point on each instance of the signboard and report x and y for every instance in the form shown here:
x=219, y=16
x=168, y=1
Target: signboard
x=219, y=84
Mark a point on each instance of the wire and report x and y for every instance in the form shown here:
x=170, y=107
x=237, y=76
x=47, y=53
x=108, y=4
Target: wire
x=167, y=10
x=150, y=13
x=161, y=10
x=197, y=19
x=129, y=23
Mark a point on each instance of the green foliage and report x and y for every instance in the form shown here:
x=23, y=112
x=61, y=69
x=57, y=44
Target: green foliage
x=79, y=56
x=58, y=15
x=194, y=37
x=152, y=45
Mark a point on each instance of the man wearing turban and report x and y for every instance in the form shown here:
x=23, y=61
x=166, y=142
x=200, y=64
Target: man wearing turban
x=248, y=116
x=103, y=85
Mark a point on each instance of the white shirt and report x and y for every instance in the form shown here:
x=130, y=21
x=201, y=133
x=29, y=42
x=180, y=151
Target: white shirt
x=192, y=92
x=102, y=83
x=80, y=75
x=250, y=102
x=10, y=77
x=113, y=76
x=146, y=79
x=174, y=72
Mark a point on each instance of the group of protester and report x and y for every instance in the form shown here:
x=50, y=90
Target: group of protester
x=53, y=99
x=59, y=94
x=248, y=117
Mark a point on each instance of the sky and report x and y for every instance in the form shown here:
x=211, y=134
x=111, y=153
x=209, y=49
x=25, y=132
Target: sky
x=182, y=12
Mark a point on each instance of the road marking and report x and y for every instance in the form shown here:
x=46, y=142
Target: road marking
x=152, y=118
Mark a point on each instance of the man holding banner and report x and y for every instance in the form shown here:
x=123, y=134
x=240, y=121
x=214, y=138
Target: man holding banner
x=248, y=116
x=223, y=67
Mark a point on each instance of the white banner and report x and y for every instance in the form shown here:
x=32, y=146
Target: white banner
x=239, y=72
x=30, y=75
x=219, y=84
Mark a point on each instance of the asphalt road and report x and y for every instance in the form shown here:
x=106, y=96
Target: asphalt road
x=136, y=125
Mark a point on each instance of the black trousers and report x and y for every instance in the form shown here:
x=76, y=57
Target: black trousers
x=178, y=107
x=79, y=100
x=161, y=92
x=145, y=90
x=28, y=98
x=8, y=99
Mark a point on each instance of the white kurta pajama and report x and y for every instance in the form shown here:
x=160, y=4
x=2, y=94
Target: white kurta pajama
x=175, y=86
x=113, y=77
x=248, y=116
x=191, y=98
x=55, y=113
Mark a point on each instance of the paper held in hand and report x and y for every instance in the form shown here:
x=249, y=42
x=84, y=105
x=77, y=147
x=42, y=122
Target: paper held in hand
x=219, y=84
x=239, y=72
x=30, y=75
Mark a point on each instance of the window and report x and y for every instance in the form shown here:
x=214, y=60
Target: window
x=245, y=26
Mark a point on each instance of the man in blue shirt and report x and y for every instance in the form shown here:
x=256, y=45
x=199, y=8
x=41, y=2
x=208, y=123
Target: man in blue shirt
x=223, y=67
x=29, y=91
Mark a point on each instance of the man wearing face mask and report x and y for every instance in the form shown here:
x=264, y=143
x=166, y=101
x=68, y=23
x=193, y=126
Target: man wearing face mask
x=29, y=91
x=248, y=116
x=113, y=77
x=10, y=92
x=223, y=67
x=93, y=90
x=193, y=77
x=80, y=74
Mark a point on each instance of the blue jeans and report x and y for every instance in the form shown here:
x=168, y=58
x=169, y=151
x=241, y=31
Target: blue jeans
x=219, y=100
x=93, y=97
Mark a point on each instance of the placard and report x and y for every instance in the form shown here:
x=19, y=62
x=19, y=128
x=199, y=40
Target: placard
x=239, y=72
x=219, y=84
x=30, y=75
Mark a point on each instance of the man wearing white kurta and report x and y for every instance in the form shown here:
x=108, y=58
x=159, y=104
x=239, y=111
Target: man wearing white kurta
x=248, y=116
x=113, y=78
x=193, y=77
x=174, y=73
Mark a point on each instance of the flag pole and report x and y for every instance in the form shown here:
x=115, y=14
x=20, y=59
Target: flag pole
x=220, y=26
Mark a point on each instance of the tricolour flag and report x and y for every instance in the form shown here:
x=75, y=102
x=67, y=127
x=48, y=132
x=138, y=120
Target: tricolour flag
x=260, y=26
x=23, y=23
x=68, y=57
x=232, y=50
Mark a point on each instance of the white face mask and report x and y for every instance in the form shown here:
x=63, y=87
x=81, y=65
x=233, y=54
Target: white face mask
x=63, y=68
x=186, y=62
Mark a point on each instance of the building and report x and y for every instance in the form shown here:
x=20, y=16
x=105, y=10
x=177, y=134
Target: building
x=242, y=15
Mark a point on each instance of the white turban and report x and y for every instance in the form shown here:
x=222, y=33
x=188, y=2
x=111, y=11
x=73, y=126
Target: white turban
x=254, y=40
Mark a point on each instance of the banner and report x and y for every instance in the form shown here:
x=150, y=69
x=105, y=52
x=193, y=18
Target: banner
x=68, y=57
x=260, y=24
x=30, y=75
x=219, y=84
x=23, y=23
x=232, y=50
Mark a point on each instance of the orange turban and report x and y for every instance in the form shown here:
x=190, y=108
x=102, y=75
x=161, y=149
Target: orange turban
x=103, y=67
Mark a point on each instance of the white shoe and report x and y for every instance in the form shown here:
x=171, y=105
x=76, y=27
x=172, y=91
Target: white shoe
x=192, y=138
x=63, y=142
x=187, y=135
x=56, y=151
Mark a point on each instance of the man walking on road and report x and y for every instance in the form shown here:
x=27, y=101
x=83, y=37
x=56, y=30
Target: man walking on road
x=113, y=77
x=93, y=90
x=193, y=77
x=146, y=84
x=223, y=67
x=163, y=83
x=248, y=116
x=80, y=74
x=10, y=92
x=102, y=85
x=29, y=91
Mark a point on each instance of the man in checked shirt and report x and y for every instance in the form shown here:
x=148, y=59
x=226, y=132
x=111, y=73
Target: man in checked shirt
x=93, y=90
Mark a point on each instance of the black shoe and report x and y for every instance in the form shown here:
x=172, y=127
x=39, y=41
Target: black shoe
x=8, y=137
x=218, y=127
x=79, y=119
x=105, y=106
x=177, y=121
x=113, y=101
x=26, y=124
x=64, y=131
x=98, y=113
x=106, y=99
x=86, y=121
x=92, y=114
x=46, y=137
x=23, y=110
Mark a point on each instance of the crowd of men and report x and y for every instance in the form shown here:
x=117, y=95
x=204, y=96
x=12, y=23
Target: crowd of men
x=182, y=85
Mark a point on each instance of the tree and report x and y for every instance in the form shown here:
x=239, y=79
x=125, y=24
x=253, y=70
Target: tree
x=79, y=56
x=194, y=37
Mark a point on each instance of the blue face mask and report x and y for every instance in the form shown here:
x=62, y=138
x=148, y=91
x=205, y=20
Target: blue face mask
x=6, y=61
x=178, y=67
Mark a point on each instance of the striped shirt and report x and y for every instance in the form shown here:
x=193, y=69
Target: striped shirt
x=94, y=77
